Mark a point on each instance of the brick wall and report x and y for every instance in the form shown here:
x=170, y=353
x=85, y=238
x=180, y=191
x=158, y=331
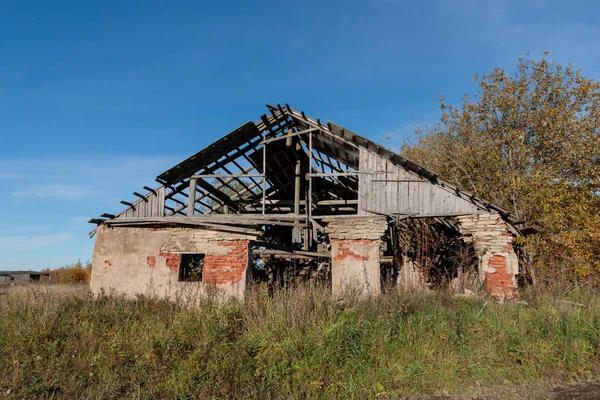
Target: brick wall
x=146, y=261
x=498, y=263
x=225, y=261
x=499, y=282
x=172, y=261
x=229, y=266
x=355, y=244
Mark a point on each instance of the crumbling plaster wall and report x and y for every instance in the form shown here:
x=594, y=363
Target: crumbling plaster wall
x=145, y=261
x=355, y=246
x=498, y=263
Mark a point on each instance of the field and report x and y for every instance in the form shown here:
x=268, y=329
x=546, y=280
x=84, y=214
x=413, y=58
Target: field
x=58, y=342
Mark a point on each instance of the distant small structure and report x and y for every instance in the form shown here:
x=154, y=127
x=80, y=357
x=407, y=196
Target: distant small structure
x=21, y=277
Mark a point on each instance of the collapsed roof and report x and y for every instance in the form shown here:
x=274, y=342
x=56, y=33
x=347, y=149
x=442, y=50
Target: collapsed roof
x=290, y=169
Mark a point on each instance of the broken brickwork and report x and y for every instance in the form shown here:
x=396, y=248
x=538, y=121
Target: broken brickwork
x=498, y=262
x=227, y=268
x=355, y=246
x=147, y=261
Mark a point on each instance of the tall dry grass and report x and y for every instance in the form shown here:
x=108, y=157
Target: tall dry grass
x=302, y=343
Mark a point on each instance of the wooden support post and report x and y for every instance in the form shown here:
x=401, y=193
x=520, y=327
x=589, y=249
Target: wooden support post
x=310, y=158
x=306, y=238
x=289, y=140
x=191, y=198
x=160, y=194
x=264, y=193
x=297, y=185
x=307, y=231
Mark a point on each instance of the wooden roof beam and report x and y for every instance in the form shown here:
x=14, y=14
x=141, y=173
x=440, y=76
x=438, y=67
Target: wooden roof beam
x=153, y=191
x=141, y=196
x=243, y=170
x=218, y=194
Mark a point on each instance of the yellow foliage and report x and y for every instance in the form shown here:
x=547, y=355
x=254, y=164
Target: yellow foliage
x=75, y=273
x=531, y=144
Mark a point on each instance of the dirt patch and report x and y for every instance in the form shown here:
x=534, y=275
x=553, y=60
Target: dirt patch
x=584, y=391
x=588, y=391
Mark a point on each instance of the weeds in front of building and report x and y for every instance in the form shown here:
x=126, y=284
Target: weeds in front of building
x=295, y=343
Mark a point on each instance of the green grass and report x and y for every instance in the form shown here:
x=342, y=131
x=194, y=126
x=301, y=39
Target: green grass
x=302, y=344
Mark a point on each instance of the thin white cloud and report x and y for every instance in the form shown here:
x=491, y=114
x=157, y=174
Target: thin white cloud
x=80, y=220
x=11, y=175
x=55, y=191
x=91, y=170
x=33, y=243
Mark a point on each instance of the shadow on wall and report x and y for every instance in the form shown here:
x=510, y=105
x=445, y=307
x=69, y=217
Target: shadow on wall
x=425, y=254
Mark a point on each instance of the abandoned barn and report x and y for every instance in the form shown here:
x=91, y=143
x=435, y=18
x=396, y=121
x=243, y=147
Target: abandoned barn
x=291, y=198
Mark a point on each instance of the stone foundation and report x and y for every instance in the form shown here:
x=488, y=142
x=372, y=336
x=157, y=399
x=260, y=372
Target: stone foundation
x=498, y=263
x=355, y=245
x=145, y=261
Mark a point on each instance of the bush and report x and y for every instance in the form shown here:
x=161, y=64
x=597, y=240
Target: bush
x=71, y=274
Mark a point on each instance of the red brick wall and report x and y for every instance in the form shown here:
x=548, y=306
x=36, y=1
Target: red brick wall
x=172, y=261
x=229, y=267
x=493, y=242
x=500, y=283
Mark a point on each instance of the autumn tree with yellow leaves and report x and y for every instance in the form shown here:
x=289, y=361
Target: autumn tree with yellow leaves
x=530, y=143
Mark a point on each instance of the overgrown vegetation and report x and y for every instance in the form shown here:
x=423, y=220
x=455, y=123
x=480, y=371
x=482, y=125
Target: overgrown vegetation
x=529, y=143
x=70, y=274
x=299, y=344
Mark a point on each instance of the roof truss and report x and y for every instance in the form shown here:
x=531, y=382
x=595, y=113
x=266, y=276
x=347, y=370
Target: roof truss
x=285, y=163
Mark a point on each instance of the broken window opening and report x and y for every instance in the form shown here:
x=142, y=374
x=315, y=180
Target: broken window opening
x=191, y=267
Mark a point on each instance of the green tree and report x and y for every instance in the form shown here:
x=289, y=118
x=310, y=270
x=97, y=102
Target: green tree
x=529, y=142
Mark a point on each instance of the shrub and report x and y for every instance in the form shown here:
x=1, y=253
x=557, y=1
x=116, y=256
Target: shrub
x=71, y=274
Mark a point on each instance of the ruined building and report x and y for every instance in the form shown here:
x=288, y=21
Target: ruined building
x=292, y=197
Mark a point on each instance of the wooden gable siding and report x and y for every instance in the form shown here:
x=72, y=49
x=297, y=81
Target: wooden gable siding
x=152, y=206
x=385, y=187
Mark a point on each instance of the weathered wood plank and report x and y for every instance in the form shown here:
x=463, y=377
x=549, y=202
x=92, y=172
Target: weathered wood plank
x=191, y=197
x=374, y=193
x=393, y=200
x=160, y=194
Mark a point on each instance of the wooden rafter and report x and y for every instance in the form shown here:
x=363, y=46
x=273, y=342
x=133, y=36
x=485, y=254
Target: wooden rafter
x=218, y=194
x=333, y=150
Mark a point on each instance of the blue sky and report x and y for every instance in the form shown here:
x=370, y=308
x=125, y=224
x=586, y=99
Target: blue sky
x=99, y=97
